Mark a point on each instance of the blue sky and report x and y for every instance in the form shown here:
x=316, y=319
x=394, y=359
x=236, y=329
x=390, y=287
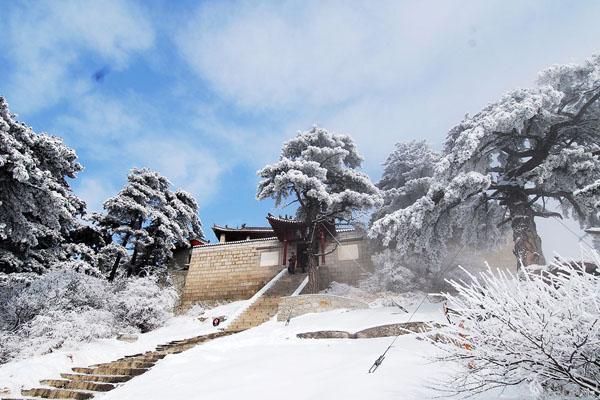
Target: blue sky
x=206, y=92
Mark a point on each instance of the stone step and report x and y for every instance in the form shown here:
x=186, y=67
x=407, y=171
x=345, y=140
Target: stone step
x=109, y=371
x=124, y=364
x=56, y=393
x=84, y=381
x=149, y=357
x=97, y=378
x=83, y=385
x=172, y=350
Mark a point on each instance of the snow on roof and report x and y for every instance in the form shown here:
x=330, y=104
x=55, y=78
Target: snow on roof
x=237, y=242
x=243, y=228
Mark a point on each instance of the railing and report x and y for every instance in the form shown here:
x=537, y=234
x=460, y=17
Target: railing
x=254, y=298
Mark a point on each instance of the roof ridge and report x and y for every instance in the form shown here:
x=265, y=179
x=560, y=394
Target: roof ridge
x=237, y=242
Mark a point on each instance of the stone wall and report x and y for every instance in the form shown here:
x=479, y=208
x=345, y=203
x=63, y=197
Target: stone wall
x=294, y=306
x=349, y=262
x=178, y=280
x=237, y=270
x=231, y=271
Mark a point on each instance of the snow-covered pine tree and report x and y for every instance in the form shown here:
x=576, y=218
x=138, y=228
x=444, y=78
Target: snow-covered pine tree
x=146, y=221
x=174, y=226
x=406, y=176
x=37, y=207
x=501, y=167
x=319, y=171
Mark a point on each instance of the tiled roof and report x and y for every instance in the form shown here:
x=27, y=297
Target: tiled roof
x=288, y=220
x=237, y=242
x=242, y=229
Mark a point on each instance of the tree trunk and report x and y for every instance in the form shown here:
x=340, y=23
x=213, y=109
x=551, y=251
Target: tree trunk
x=133, y=269
x=113, y=270
x=313, y=277
x=527, y=242
x=312, y=249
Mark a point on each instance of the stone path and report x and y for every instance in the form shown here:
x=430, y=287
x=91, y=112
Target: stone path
x=84, y=382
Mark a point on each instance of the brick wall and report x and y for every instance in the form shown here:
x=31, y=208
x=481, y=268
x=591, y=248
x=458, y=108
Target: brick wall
x=230, y=271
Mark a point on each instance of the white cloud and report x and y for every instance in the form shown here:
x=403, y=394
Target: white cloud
x=116, y=134
x=94, y=191
x=311, y=53
x=185, y=164
x=46, y=40
x=380, y=71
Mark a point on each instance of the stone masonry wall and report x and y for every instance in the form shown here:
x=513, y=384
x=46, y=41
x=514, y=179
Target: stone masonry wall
x=294, y=306
x=349, y=271
x=230, y=271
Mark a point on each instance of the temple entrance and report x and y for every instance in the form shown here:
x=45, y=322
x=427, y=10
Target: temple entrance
x=302, y=256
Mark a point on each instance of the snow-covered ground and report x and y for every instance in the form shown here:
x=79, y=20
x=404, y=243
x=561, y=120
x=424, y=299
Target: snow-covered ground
x=270, y=362
x=27, y=373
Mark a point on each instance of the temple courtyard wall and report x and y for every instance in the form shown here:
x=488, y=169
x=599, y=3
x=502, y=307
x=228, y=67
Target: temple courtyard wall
x=237, y=270
x=231, y=271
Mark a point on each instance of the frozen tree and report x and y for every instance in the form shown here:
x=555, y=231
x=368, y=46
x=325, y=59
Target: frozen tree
x=146, y=221
x=319, y=171
x=37, y=207
x=174, y=226
x=500, y=168
x=542, y=329
x=40, y=313
x=406, y=176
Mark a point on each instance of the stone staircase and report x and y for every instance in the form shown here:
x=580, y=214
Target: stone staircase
x=84, y=382
x=266, y=306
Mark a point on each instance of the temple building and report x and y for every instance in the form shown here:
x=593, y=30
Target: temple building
x=245, y=258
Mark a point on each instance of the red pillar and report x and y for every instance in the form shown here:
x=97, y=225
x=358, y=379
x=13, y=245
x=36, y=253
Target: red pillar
x=322, y=240
x=285, y=246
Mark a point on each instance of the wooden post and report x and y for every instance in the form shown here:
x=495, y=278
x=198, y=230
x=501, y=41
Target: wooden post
x=285, y=246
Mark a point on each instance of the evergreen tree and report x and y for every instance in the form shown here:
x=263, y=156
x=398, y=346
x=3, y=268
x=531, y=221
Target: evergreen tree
x=319, y=170
x=501, y=167
x=38, y=210
x=146, y=221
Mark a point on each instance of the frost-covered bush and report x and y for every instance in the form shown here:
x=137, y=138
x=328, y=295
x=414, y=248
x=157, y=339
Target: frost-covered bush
x=392, y=274
x=64, y=306
x=141, y=303
x=542, y=329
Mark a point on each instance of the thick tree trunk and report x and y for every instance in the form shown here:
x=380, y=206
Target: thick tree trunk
x=527, y=242
x=312, y=249
x=313, y=277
